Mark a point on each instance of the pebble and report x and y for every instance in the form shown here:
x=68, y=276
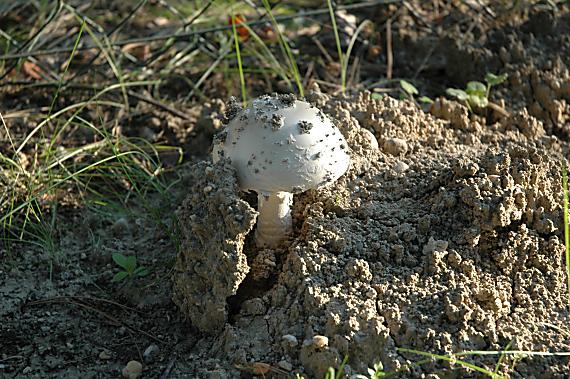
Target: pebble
x=285, y=365
x=395, y=146
x=401, y=167
x=104, y=355
x=290, y=339
x=120, y=227
x=132, y=370
x=208, y=189
x=370, y=139
x=320, y=341
x=150, y=353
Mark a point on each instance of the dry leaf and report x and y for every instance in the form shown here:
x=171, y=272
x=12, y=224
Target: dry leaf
x=141, y=51
x=32, y=70
x=241, y=31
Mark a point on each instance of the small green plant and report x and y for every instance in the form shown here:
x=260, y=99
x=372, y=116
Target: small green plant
x=376, y=372
x=129, y=266
x=409, y=90
x=336, y=374
x=476, y=94
x=453, y=359
x=373, y=373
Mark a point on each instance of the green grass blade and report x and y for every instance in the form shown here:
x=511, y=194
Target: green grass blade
x=238, y=55
x=454, y=360
x=346, y=59
x=79, y=34
x=107, y=51
x=287, y=50
x=338, y=47
x=269, y=55
x=501, y=357
x=566, y=227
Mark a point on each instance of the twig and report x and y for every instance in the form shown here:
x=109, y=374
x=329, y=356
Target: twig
x=498, y=108
x=417, y=15
x=196, y=32
x=168, y=44
x=92, y=309
x=56, y=11
x=389, y=56
x=166, y=373
x=134, y=94
x=308, y=73
x=158, y=104
x=115, y=29
x=424, y=61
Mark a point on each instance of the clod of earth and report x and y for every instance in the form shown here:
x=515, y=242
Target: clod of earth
x=132, y=370
x=459, y=252
x=280, y=146
x=211, y=264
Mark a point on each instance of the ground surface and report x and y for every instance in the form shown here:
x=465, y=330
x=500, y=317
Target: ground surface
x=445, y=235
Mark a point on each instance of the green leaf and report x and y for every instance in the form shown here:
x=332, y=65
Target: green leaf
x=408, y=88
x=425, y=99
x=120, y=259
x=377, y=96
x=120, y=276
x=131, y=264
x=478, y=101
x=477, y=89
x=493, y=79
x=378, y=371
x=457, y=93
x=141, y=271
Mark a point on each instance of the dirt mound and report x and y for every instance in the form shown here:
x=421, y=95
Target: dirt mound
x=445, y=238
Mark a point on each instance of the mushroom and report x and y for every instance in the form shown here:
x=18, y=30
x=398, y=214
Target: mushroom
x=280, y=146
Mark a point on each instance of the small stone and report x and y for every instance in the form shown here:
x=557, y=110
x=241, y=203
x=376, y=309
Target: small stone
x=285, y=365
x=104, y=355
x=320, y=341
x=290, y=340
x=83, y=256
x=150, y=353
x=395, y=146
x=132, y=370
x=208, y=189
x=27, y=370
x=120, y=226
x=401, y=167
x=154, y=121
x=369, y=139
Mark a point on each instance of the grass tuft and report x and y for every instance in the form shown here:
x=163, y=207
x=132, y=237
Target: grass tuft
x=286, y=49
x=238, y=55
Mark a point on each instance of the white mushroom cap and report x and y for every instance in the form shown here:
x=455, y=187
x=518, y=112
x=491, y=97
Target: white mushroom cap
x=279, y=144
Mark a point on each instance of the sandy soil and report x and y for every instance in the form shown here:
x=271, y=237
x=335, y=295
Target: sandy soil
x=445, y=235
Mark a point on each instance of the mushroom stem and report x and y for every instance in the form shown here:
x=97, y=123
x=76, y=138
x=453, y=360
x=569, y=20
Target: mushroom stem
x=274, y=221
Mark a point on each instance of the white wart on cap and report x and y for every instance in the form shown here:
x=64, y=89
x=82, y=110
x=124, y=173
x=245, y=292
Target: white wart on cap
x=280, y=146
